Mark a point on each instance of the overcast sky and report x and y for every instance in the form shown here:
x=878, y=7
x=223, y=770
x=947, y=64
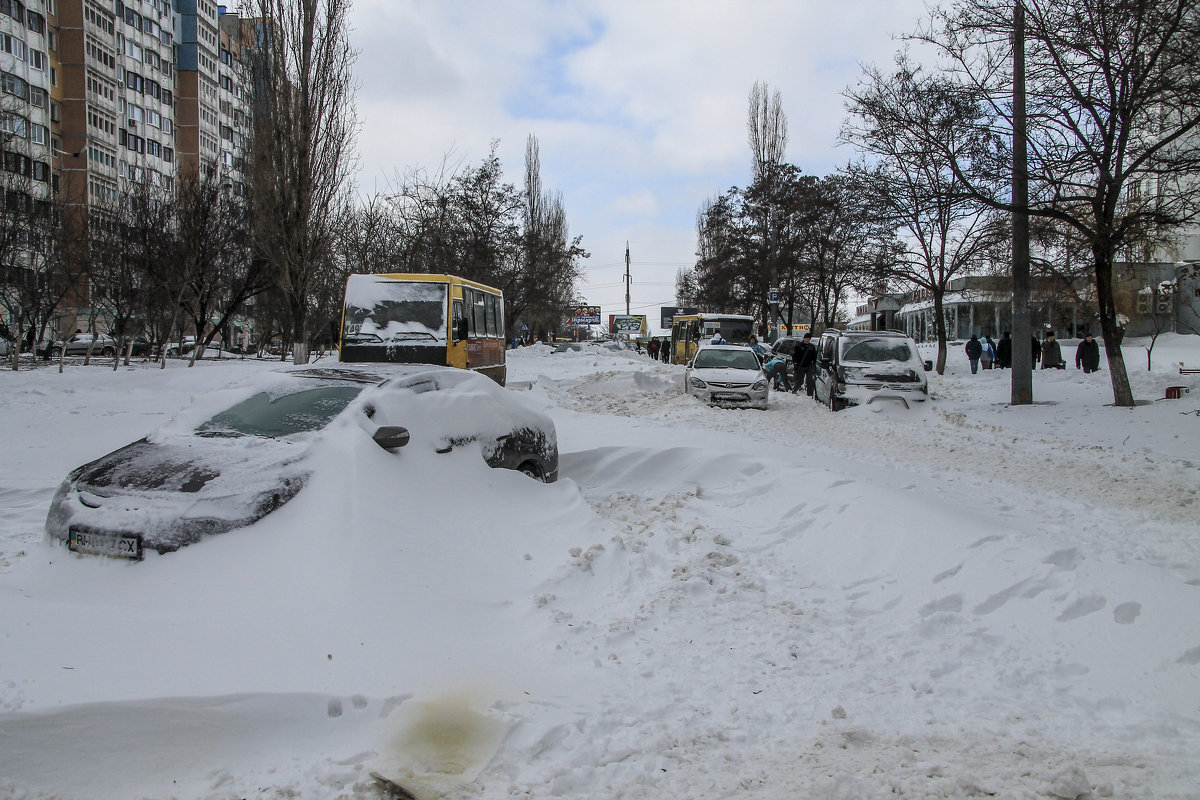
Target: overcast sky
x=639, y=106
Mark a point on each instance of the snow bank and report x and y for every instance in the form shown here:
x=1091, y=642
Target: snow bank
x=969, y=599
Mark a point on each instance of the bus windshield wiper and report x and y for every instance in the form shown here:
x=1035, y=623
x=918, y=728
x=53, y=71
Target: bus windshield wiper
x=412, y=335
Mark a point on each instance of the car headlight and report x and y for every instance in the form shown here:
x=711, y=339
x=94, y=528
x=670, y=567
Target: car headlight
x=759, y=385
x=848, y=374
x=698, y=384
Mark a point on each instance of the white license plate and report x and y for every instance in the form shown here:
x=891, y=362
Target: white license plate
x=738, y=396
x=114, y=545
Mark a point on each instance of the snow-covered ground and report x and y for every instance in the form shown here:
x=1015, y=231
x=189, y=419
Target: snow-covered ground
x=962, y=600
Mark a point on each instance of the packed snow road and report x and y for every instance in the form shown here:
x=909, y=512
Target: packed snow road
x=961, y=600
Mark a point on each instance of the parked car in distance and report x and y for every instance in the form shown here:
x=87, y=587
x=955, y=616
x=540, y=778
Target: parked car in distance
x=188, y=344
x=78, y=344
x=727, y=375
x=207, y=473
x=861, y=367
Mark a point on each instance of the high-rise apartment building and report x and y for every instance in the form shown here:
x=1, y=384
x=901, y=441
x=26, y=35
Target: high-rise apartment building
x=25, y=108
x=113, y=79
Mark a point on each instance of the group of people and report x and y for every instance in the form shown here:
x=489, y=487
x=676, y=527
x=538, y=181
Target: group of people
x=984, y=352
x=659, y=349
x=804, y=362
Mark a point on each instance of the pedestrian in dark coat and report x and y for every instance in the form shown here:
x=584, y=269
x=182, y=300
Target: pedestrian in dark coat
x=1037, y=350
x=1087, y=355
x=652, y=349
x=1004, y=351
x=974, y=351
x=805, y=359
x=1052, y=353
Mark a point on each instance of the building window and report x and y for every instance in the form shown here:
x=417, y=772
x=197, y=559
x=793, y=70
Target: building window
x=12, y=45
x=15, y=86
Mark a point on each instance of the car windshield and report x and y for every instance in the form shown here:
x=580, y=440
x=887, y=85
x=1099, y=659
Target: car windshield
x=711, y=358
x=281, y=415
x=874, y=350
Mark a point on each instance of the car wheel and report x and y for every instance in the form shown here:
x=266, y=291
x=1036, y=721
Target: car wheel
x=108, y=352
x=56, y=352
x=532, y=470
x=833, y=403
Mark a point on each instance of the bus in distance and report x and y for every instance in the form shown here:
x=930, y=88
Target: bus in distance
x=414, y=318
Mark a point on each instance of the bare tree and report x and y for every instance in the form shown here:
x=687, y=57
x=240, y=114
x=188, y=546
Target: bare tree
x=768, y=133
x=766, y=125
x=302, y=150
x=945, y=231
x=542, y=290
x=1113, y=118
x=33, y=279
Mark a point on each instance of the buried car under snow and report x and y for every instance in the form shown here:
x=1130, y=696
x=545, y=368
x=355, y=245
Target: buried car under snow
x=209, y=473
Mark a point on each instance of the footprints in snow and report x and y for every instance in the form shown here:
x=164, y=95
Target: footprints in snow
x=1066, y=560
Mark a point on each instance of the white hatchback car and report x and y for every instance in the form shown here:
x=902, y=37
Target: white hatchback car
x=727, y=375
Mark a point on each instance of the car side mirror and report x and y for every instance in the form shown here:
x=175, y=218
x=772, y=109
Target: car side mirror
x=929, y=366
x=390, y=437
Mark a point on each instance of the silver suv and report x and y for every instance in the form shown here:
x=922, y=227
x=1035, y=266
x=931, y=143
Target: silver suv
x=860, y=367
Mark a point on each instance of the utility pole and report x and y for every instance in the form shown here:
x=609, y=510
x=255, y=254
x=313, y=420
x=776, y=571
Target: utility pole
x=628, y=281
x=1022, y=354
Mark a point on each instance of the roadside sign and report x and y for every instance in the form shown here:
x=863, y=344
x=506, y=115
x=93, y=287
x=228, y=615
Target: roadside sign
x=587, y=315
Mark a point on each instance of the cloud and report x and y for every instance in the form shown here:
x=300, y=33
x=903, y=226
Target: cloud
x=639, y=107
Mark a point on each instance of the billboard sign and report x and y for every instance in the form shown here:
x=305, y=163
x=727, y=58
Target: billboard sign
x=627, y=323
x=668, y=314
x=586, y=315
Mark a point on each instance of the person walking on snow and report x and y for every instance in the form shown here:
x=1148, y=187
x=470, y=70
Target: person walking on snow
x=1052, y=353
x=974, y=351
x=989, y=352
x=1087, y=355
x=1004, y=352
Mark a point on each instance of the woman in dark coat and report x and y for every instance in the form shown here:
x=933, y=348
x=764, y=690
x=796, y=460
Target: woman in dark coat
x=1004, y=352
x=1087, y=355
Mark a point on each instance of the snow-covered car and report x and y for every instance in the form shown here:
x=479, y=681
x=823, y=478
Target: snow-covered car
x=860, y=367
x=79, y=343
x=188, y=344
x=727, y=375
x=206, y=473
